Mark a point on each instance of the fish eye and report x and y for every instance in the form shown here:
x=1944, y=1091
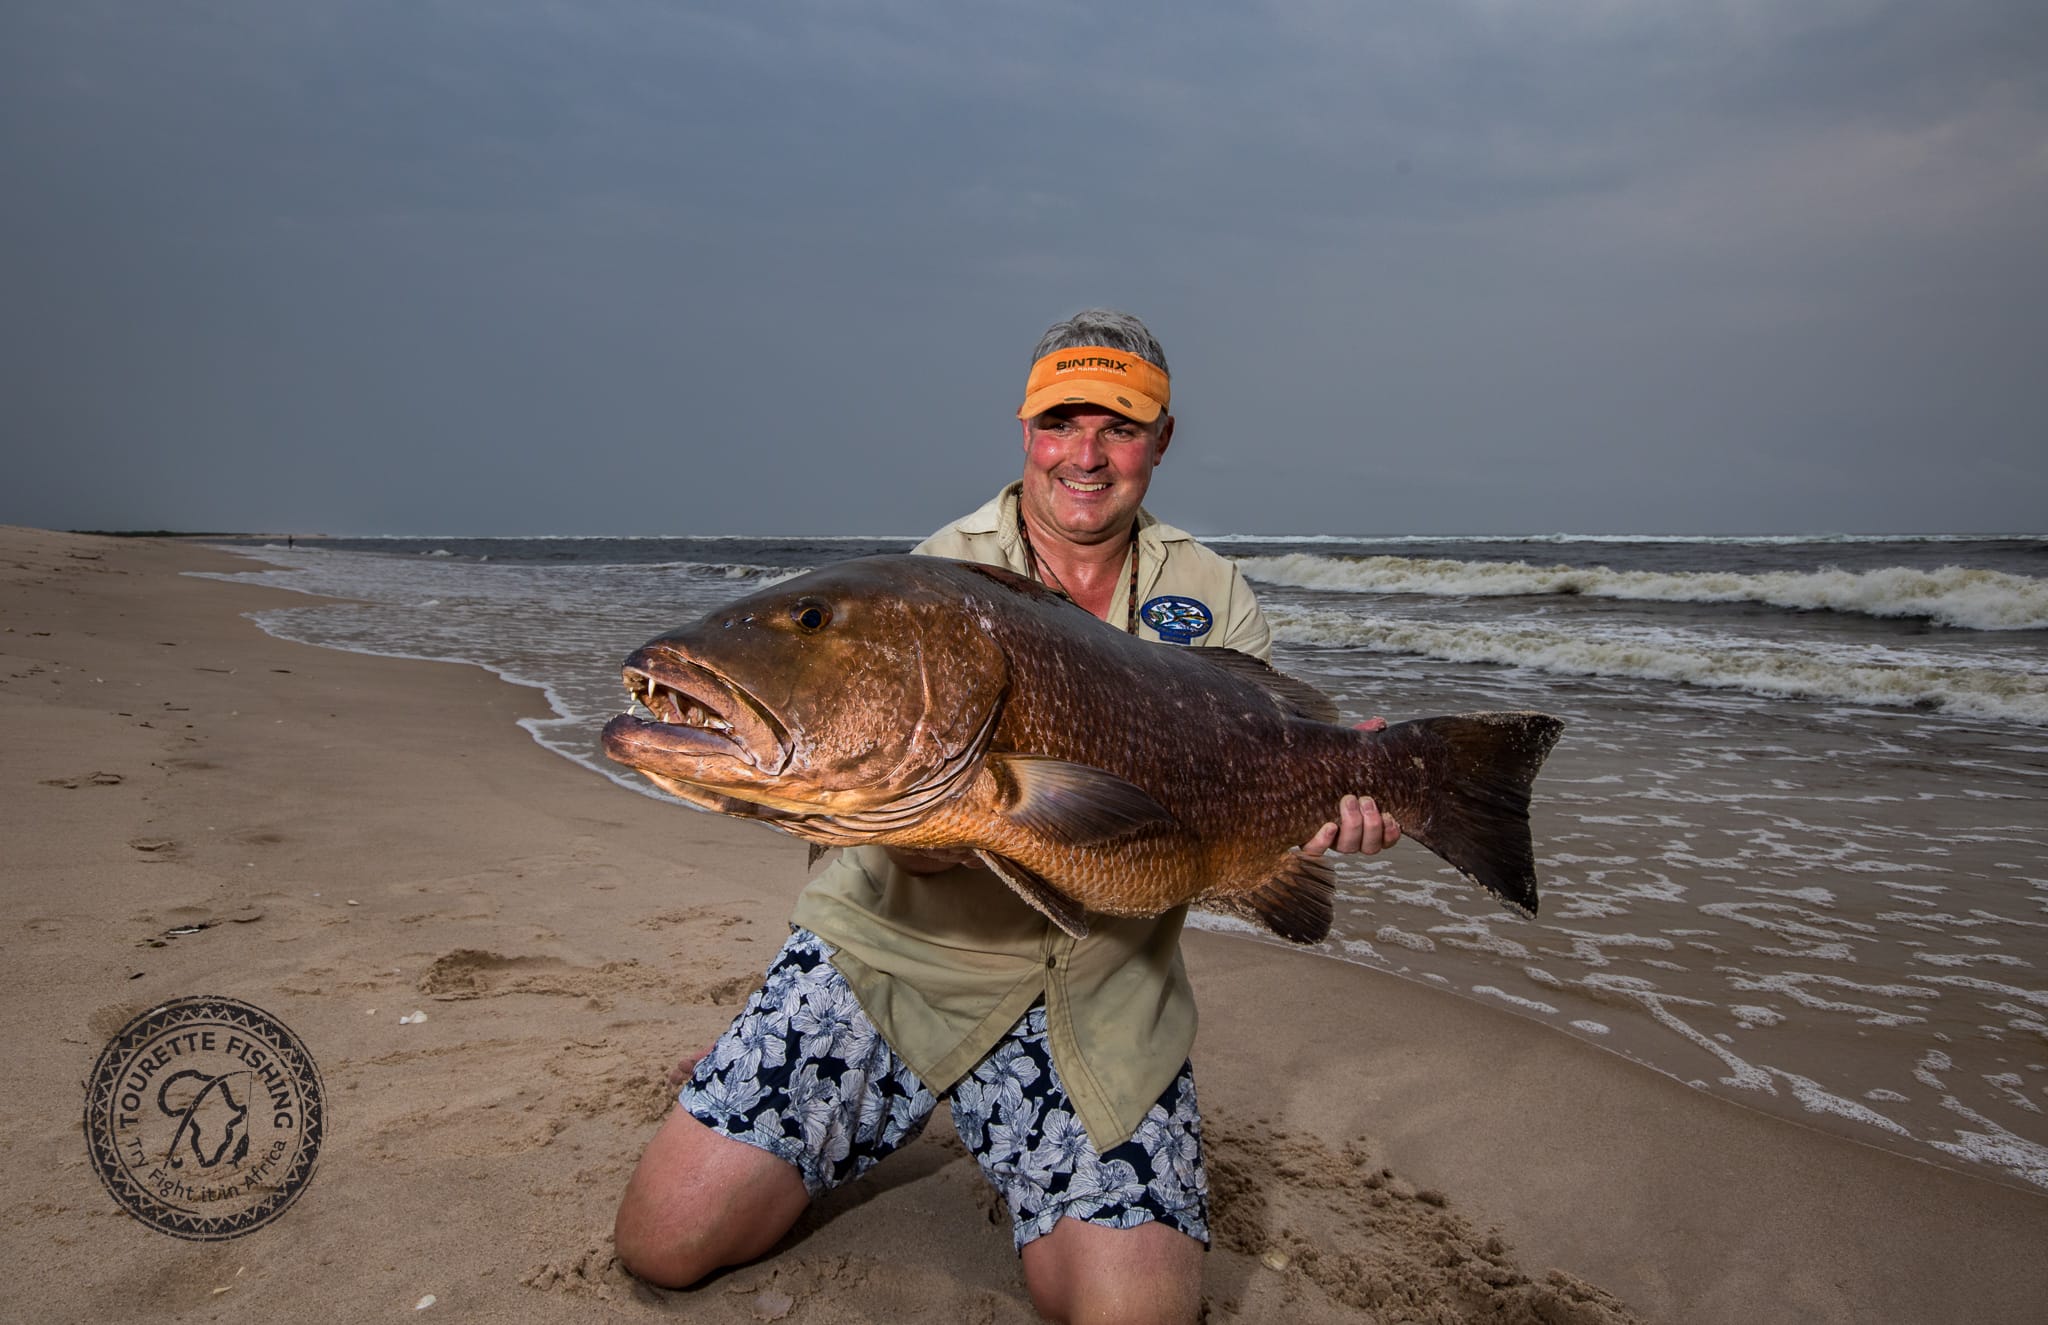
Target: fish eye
x=810, y=615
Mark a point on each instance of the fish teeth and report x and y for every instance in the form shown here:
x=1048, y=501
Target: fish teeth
x=672, y=706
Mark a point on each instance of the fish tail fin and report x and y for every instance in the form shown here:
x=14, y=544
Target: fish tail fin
x=1460, y=786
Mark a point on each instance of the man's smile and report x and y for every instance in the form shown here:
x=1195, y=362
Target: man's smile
x=1076, y=485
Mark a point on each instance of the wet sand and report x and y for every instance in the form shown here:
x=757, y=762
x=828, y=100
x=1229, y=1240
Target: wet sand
x=347, y=840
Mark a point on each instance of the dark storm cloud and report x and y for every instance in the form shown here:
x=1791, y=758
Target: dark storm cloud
x=625, y=268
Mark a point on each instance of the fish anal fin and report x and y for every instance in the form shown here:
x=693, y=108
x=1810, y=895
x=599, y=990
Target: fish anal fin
x=1296, y=697
x=1041, y=896
x=1072, y=803
x=1296, y=903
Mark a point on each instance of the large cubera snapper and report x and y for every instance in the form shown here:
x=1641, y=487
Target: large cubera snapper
x=948, y=706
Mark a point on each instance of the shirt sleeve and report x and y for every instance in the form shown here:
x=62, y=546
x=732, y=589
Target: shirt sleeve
x=1244, y=627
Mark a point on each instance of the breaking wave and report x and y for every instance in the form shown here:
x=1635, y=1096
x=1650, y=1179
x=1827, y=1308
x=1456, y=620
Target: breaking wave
x=1886, y=677
x=1955, y=596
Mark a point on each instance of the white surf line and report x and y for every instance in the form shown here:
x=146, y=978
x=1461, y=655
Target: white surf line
x=1995, y=1145
x=1966, y=598
x=1742, y=1074
x=1955, y=686
x=1793, y=985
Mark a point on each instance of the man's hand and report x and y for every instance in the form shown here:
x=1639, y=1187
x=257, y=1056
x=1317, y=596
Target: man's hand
x=1359, y=828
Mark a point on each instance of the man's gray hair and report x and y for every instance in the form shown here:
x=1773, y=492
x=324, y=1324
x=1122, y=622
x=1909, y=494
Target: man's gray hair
x=1106, y=327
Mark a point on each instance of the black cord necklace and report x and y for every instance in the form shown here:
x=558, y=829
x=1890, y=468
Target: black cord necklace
x=1039, y=572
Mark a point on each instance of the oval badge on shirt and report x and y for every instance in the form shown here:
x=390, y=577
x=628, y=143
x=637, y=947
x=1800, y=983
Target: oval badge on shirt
x=1178, y=620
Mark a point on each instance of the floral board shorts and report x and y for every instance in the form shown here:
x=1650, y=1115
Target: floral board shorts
x=803, y=1074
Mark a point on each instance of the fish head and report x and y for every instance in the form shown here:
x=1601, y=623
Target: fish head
x=855, y=686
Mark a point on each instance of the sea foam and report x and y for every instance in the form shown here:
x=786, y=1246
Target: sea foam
x=1861, y=675
x=1963, y=597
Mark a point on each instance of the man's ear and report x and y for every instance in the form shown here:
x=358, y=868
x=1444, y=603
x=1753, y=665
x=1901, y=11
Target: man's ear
x=1165, y=439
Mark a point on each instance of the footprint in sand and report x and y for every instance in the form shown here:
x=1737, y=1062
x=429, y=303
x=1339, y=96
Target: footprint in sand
x=256, y=838
x=86, y=780
x=468, y=973
x=477, y=973
x=715, y=919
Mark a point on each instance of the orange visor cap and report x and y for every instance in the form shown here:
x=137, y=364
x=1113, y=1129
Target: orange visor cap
x=1096, y=375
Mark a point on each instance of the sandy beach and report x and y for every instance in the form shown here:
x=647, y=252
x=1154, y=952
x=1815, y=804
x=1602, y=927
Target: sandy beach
x=344, y=841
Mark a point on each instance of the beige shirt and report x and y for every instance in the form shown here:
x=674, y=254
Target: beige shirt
x=946, y=963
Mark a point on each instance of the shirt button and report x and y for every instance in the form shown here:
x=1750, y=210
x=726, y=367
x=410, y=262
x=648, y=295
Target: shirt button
x=1051, y=963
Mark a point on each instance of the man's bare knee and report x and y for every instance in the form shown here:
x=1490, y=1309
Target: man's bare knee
x=1088, y=1273
x=699, y=1201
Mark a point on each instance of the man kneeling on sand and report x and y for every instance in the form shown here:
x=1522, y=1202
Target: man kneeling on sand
x=911, y=976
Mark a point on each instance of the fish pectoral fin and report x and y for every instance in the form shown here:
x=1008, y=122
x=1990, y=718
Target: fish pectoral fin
x=1296, y=903
x=811, y=858
x=1041, y=896
x=1073, y=803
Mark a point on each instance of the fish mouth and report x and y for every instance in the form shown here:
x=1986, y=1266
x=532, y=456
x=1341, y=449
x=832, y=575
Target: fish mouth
x=700, y=720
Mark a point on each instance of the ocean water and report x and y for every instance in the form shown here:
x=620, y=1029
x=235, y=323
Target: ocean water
x=1794, y=842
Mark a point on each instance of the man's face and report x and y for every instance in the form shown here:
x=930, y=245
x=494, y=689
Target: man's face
x=1086, y=469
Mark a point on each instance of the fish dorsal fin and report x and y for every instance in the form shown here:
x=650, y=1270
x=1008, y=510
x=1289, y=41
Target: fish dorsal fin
x=1041, y=896
x=1016, y=583
x=1296, y=903
x=1297, y=697
x=1073, y=803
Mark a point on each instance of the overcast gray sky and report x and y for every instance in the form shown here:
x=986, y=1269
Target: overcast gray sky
x=505, y=266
